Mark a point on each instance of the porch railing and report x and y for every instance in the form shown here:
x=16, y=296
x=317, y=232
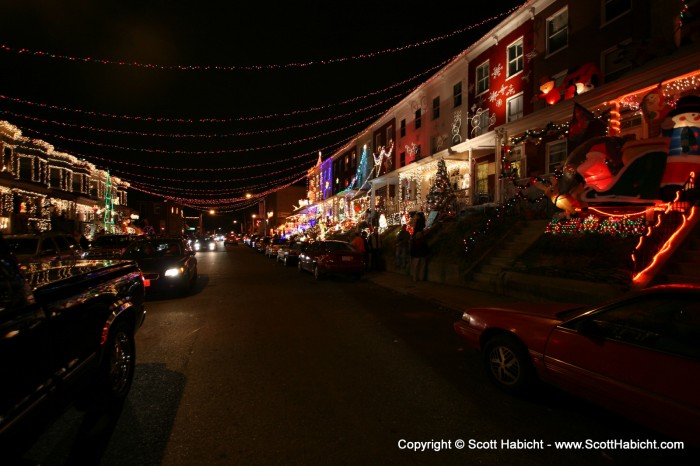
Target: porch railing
x=665, y=226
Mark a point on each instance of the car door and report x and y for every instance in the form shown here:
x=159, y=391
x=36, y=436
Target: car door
x=640, y=357
x=25, y=358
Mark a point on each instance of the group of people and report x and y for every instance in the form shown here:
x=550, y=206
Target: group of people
x=371, y=245
x=412, y=250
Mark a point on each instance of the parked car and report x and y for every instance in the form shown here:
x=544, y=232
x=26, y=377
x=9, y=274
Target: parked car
x=332, y=257
x=36, y=251
x=167, y=263
x=68, y=335
x=261, y=243
x=290, y=254
x=274, y=245
x=638, y=355
x=109, y=246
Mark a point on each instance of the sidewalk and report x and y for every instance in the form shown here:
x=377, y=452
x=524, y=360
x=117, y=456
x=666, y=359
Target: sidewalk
x=450, y=298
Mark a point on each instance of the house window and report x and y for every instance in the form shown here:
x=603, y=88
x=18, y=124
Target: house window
x=457, y=94
x=615, y=60
x=613, y=9
x=418, y=115
x=482, y=78
x=480, y=122
x=482, y=179
x=556, y=155
x=558, y=31
x=515, y=57
x=514, y=107
x=402, y=159
x=403, y=128
x=436, y=108
x=390, y=135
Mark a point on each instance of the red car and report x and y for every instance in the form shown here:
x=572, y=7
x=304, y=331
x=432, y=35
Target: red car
x=638, y=355
x=332, y=257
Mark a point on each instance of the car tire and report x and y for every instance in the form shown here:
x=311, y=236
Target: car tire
x=508, y=365
x=301, y=269
x=284, y=262
x=317, y=273
x=116, y=371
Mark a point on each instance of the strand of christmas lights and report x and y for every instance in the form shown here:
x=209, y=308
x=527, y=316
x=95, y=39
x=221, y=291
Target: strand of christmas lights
x=202, y=135
x=153, y=66
x=238, y=187
x=211, y=152
x=220, y=120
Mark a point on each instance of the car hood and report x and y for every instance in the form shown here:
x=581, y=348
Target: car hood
x=158, y=264
x=532, y=322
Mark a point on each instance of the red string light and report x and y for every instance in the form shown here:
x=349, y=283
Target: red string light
x=153, y=66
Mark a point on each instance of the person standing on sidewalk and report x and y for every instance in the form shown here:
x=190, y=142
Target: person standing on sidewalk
x=419, y=251
x=375, y=249
x=403, y=238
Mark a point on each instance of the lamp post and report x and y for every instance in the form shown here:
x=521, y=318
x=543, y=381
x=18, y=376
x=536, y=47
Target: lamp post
x=252, y=228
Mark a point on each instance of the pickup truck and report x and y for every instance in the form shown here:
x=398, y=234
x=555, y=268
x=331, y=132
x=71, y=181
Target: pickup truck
x=66, y=335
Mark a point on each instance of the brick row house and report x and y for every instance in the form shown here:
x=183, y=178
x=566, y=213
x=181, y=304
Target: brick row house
x=44, y=189
x=498, y=115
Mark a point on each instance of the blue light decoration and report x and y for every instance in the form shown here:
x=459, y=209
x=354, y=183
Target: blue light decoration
x=361, y=173
x=327, y=178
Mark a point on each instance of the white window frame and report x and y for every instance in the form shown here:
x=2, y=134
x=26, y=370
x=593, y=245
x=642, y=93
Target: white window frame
x=482, y=83
x=557, y=147
x=519, y=59
x=604, y=10
x=563, y=31
x=605, y=54
x=514, y=100
x=457, y=95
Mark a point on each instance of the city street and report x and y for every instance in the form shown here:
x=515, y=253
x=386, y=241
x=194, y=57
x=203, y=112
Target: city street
x=262, y=364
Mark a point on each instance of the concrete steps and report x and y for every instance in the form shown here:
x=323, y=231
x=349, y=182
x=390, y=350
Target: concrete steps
x=489, y=273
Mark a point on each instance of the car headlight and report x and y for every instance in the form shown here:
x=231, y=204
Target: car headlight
x=212, y=246
x=174, y=272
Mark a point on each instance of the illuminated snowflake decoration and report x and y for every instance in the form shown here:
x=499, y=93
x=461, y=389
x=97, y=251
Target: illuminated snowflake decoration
x=497, y=70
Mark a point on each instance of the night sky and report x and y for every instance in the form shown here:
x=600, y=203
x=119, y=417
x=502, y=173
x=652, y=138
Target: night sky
x=214, y=74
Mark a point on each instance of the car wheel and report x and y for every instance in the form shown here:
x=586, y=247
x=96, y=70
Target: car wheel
x=193, y=281
x=284, y=262
x=117, y=369
x=300, y=267
x=317, y=273
x=508, y=364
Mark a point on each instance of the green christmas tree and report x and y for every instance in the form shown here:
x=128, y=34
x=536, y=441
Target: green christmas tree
x=441, y=195
x=109, y=206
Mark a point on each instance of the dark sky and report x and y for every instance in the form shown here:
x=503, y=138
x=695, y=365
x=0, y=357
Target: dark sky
x=103, y=111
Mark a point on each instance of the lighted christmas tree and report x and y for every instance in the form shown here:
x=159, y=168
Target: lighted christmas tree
x=441, y=195
x=109, y=206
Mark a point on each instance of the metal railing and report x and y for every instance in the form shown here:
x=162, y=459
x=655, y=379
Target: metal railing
x=665, y=226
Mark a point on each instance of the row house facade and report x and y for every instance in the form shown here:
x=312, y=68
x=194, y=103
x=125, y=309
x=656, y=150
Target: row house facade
x=43, y=189
x=502, y=109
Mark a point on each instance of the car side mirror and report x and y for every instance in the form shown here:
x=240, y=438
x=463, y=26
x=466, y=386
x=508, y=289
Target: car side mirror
x=589, y=328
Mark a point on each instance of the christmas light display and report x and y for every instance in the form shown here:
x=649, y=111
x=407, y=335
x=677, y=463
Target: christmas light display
x=204, y=152
x=153, y=66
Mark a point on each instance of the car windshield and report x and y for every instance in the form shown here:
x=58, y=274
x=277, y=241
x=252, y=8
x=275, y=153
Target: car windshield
x=110, y=241
x=155, y=248
x=22, y=245
x=342, y=247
